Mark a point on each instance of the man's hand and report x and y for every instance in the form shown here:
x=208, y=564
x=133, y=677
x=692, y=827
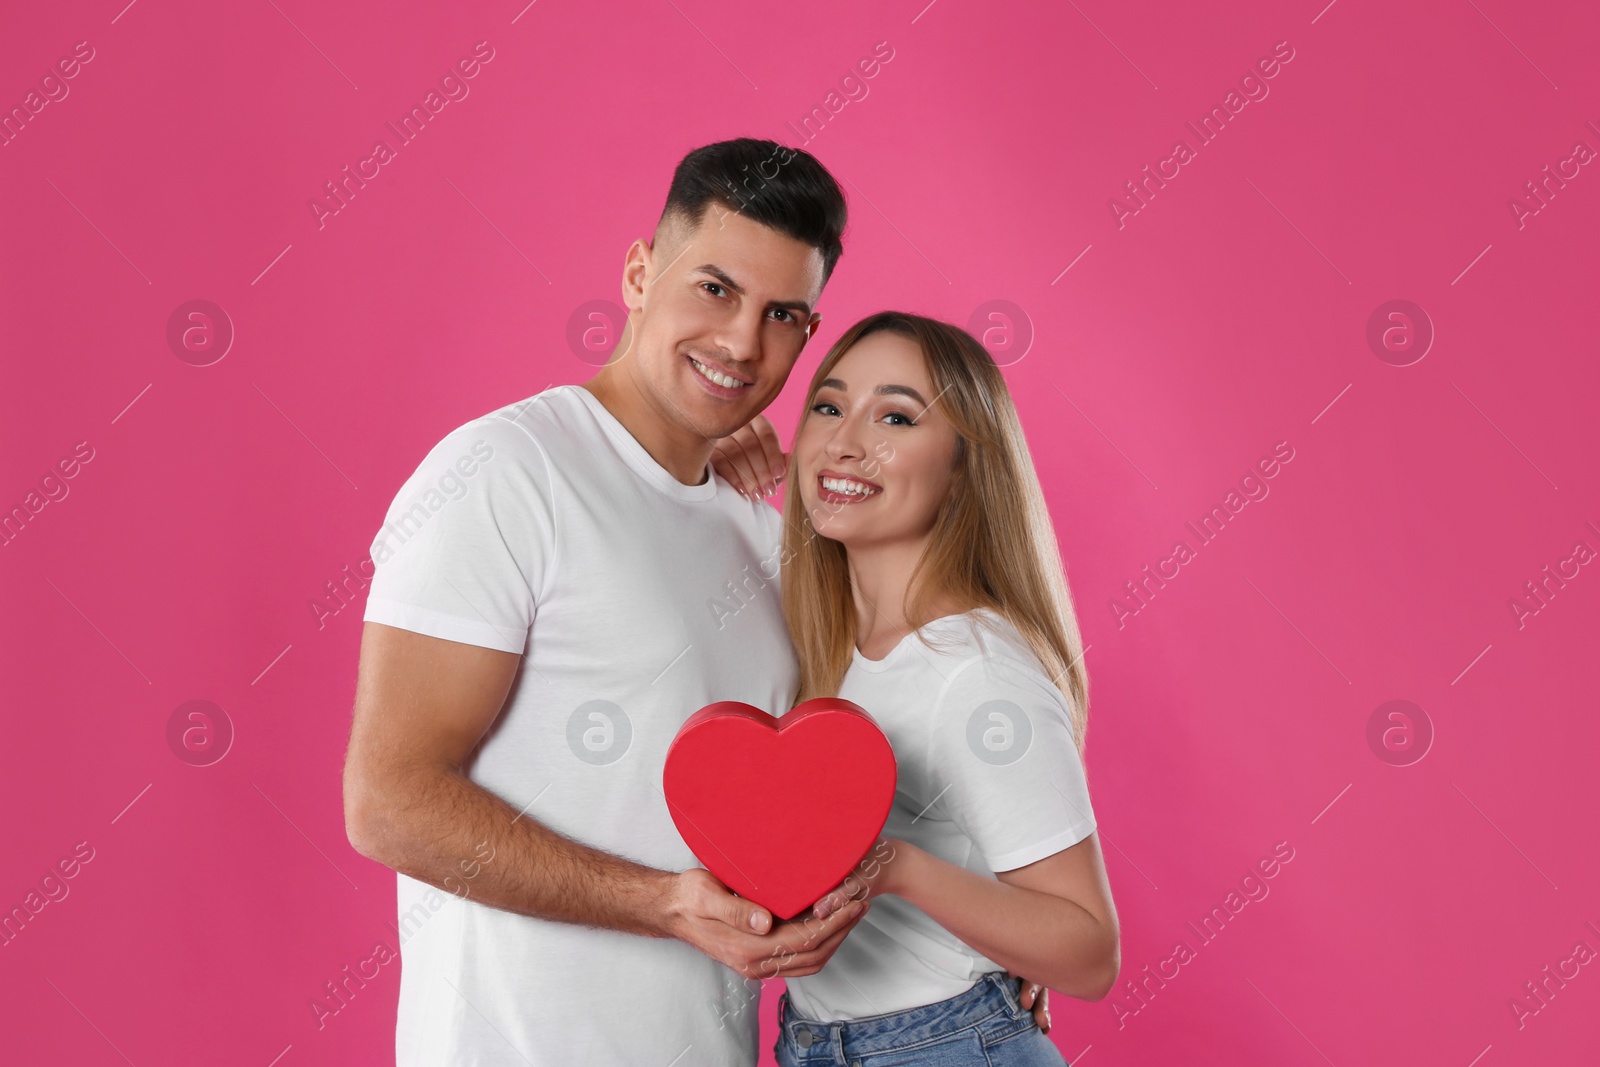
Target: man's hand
x=740, y=933
x=751, y=459
x=1035, y=996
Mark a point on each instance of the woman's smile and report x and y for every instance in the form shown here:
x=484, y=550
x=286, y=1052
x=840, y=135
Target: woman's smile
x=836, y=487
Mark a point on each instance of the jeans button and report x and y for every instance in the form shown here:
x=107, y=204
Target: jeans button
x=804, y=1037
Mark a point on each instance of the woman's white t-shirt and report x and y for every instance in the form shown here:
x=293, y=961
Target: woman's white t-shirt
x=989, y=779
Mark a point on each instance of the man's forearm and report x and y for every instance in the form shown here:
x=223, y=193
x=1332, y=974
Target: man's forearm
x=434, y=825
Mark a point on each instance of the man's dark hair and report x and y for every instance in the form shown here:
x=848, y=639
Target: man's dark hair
x=784, y=188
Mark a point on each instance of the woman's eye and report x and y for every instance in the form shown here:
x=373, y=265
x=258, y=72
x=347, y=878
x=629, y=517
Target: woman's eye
x=898, y=415
x=820, y=406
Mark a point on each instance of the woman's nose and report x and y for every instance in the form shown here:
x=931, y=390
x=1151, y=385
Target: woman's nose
x=845, y=443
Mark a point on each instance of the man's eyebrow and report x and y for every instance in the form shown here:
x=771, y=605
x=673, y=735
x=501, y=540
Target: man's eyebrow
x=882, y=390
x=799, y=306
x=720, y=275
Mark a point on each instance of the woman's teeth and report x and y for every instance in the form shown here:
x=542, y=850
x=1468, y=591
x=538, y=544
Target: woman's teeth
x=842, y=485
x=716, y=376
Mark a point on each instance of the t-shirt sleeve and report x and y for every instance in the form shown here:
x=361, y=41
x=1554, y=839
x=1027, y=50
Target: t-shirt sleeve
x=469, y=540
x=1004, y=765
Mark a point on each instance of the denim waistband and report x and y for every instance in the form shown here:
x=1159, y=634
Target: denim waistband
x=992, y=995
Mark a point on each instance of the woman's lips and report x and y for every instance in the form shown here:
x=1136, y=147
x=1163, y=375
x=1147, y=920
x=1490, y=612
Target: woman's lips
x=848, y=488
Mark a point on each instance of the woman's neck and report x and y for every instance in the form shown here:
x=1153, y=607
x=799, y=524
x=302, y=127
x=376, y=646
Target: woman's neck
x=880, y=582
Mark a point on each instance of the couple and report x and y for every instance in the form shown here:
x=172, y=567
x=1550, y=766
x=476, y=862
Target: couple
x=562, y=582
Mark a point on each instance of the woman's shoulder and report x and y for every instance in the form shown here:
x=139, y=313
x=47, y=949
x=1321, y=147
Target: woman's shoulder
x=993, y=686
x=982, y=648
x=981, y=630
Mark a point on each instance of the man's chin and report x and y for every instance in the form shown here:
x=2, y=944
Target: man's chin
x=713, y=421
x=714, y=417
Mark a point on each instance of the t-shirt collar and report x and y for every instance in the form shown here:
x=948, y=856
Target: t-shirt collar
x=642, y=461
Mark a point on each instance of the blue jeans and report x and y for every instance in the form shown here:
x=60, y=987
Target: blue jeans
x=985, y=1027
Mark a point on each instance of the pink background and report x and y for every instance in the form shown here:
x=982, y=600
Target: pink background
x=1230, y=313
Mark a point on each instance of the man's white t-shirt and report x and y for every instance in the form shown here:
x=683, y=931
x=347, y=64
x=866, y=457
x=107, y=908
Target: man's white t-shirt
x=989, y=779
x=546, y=529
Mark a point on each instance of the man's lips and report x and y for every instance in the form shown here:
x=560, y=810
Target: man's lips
x=703, y=370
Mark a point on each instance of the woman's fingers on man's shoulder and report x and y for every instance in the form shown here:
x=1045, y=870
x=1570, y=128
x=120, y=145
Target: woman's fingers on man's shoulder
x=730, y=459
x=772, y=452
x=751, y=459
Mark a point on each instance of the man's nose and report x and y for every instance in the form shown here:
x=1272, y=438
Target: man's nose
x=740, y=336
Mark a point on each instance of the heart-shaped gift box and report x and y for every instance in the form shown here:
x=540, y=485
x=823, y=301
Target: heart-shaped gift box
x=780, y=809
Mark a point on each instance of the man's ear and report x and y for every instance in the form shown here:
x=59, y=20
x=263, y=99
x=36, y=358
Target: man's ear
x=811, y=327
x=636, y=270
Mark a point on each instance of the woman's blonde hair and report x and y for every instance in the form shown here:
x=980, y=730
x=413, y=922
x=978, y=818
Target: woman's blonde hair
x=992, y=546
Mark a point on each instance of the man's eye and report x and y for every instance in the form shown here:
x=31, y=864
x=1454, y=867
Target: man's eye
x=782, y=311
x=713, y=285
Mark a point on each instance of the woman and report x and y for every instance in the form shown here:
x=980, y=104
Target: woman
x=921, y=580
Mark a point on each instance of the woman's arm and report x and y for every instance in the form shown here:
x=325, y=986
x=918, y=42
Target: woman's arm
x=1052, y=920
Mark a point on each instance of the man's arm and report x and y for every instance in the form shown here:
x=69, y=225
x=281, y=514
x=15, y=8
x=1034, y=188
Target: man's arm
x=422, y=704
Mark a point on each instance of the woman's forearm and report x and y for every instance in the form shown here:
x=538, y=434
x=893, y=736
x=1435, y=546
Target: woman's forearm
x=1050, y=939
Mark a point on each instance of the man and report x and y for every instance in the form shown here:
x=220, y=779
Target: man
x=554, y=596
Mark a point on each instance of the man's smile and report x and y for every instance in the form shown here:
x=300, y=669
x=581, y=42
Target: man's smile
x=718, y=381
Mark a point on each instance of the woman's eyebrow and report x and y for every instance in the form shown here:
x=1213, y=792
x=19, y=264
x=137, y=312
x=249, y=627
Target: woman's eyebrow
x=882, y=390
x=904, y=390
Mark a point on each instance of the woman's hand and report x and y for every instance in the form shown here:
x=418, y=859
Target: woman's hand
x=882, y=871
x=886, y=869
x=1035, y=996
x=751, y=459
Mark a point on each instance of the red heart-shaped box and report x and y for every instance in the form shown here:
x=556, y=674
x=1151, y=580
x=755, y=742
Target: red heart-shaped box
x=780, y=810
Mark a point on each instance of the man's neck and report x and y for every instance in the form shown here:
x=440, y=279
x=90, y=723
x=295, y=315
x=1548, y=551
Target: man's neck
x=684, y=456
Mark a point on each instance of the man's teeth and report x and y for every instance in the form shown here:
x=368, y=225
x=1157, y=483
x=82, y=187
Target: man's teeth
x=843, y=485
x=716, y=375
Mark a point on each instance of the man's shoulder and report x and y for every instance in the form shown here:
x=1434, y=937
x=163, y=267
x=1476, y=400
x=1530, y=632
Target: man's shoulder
x=525, y=431
x=766, y=519
x=536, y=422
